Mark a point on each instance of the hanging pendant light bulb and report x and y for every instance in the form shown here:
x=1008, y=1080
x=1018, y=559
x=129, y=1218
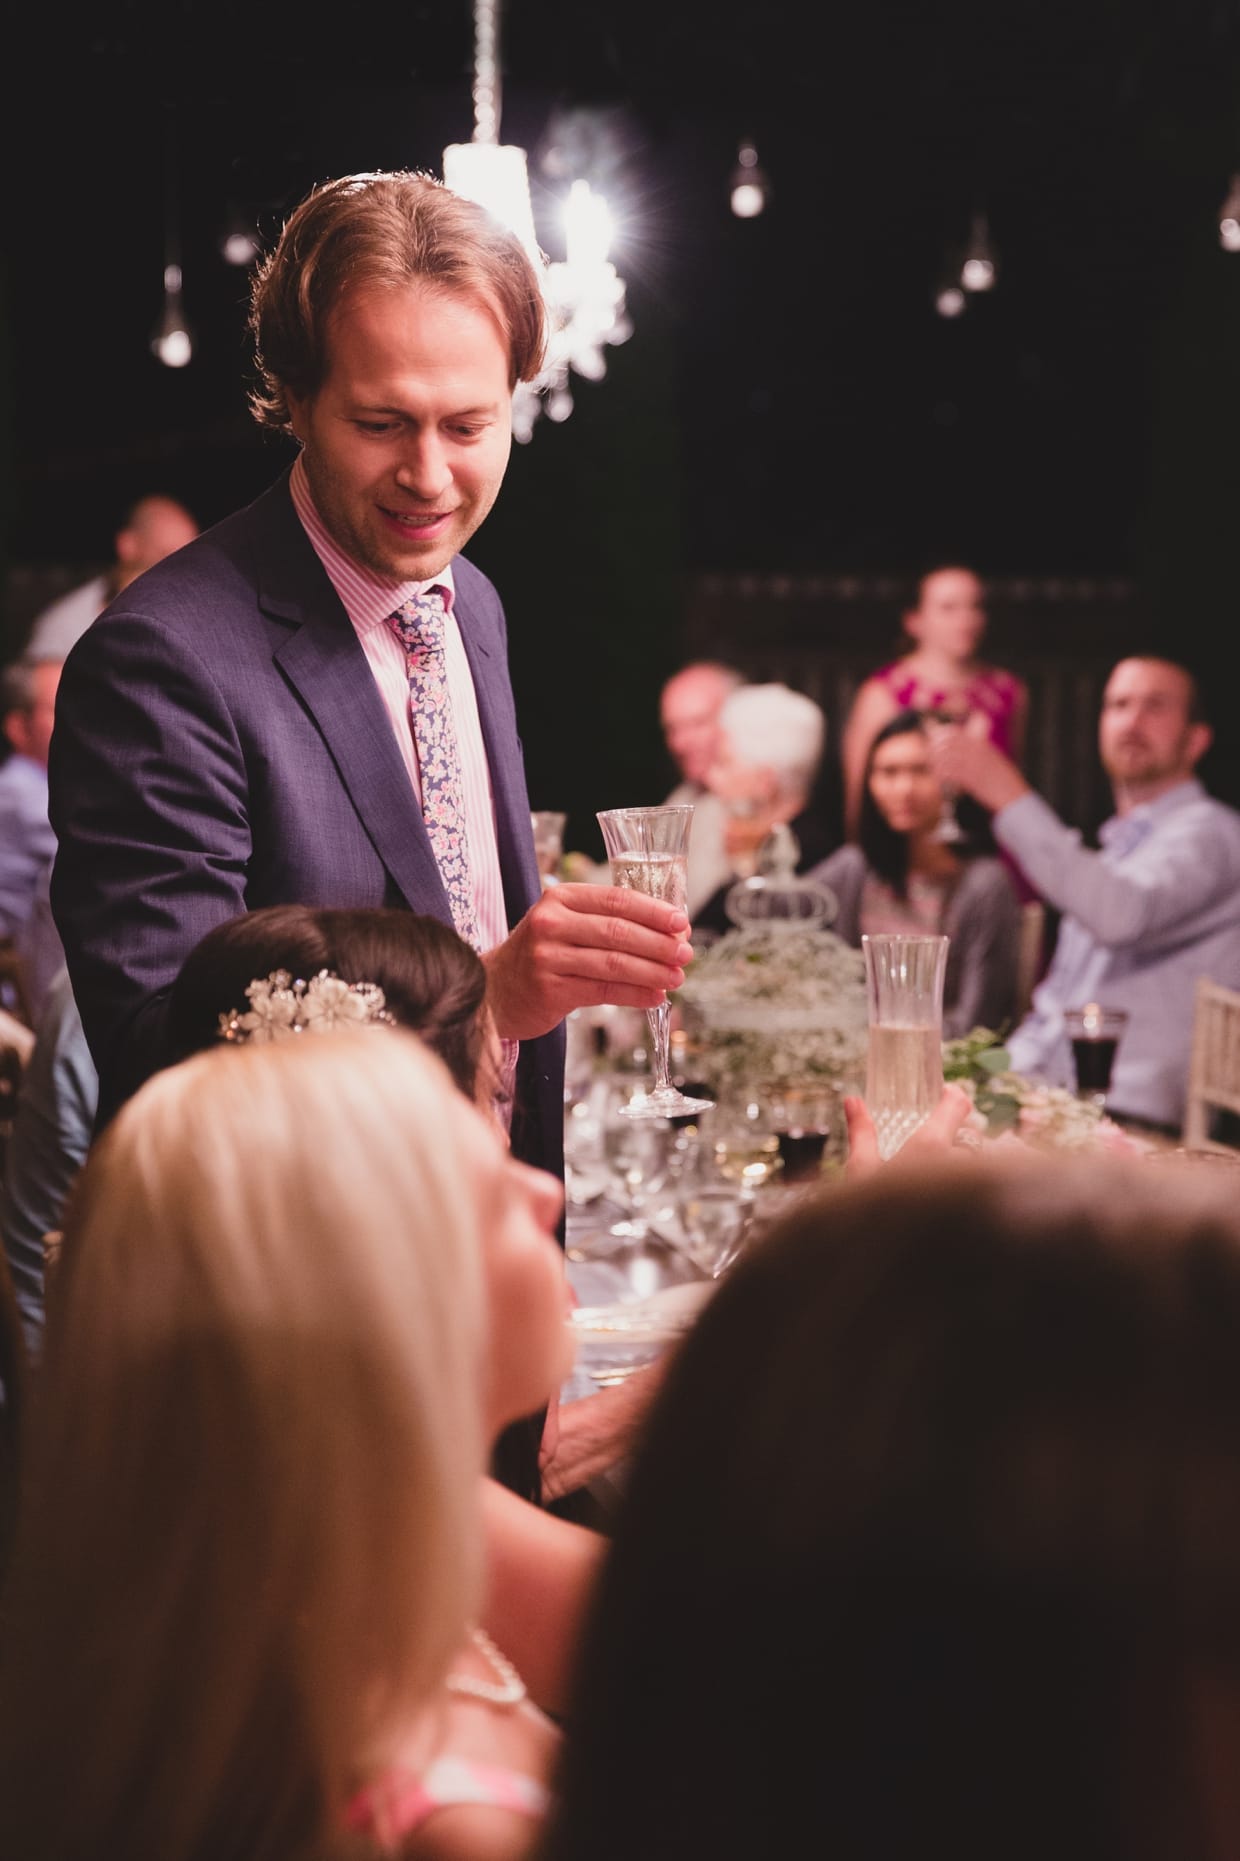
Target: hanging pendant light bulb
x=750, y=188
x=584, y=295
x=1229, y=218
x=171, y=340
x=978, y=270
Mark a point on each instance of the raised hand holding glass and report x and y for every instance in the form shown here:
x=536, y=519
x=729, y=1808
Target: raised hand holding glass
x=648, y=850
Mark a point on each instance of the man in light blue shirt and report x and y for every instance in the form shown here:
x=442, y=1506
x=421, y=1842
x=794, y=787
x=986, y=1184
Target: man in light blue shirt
x=1148, y=914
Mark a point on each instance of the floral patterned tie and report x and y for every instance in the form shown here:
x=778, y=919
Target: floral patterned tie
x=419, y=625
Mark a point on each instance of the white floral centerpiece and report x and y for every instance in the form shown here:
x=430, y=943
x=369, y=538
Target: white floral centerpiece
x=1044, y=1116
x=764, y=1004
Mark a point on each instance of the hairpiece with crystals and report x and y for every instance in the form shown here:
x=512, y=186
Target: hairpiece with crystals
x=280, y=1006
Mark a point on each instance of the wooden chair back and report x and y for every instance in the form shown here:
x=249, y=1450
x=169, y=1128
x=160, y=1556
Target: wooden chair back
x=1213, y=1069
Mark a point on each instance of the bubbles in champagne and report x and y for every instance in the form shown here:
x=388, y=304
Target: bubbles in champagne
x=658, y=875
x=904, y=1078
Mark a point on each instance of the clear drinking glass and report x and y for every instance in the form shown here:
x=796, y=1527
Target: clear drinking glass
x=548, y=842
x=648, y=849
x=804, y=1115
x=1095, y=1034
x=904, y=1070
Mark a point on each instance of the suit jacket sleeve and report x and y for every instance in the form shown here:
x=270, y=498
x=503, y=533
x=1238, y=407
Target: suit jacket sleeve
x=148, y=801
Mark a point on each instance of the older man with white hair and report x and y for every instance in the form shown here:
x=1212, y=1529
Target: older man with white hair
x=765, y=773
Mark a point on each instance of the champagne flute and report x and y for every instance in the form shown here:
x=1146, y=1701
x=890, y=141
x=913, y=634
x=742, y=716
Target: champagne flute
x=949, y=831
x=904, y=977
x=648, y=849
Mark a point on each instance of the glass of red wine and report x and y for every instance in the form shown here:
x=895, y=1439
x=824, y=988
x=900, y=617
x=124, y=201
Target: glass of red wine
x=803, y=1115
x=1095, y=1034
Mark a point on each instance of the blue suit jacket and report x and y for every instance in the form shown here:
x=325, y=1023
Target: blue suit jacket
x=220, y=745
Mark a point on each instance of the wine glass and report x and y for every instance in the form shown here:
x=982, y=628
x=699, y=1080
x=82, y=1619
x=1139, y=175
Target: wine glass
x=638, y=1159
x=648, y=849
x=1095, y=1034
x=949, y=831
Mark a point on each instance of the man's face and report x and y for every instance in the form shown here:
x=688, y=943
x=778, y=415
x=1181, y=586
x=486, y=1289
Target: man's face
x=407, y=440
x=1145, y=738
x=30, y=732
x=690, y=718
x=950, y=617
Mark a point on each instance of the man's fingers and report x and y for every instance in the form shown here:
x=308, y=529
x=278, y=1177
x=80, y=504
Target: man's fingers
x=618, y=905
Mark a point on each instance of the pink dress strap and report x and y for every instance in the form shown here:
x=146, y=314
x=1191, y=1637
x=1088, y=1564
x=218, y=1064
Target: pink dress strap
x=400, y=1802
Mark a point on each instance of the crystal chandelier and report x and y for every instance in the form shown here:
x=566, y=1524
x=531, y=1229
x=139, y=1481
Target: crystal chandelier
x=584, y=294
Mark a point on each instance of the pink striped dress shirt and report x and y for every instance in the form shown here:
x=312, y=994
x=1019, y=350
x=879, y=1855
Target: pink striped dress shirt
x=370, y=601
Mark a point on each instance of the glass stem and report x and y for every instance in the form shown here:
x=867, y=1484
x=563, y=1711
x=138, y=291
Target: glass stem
x=660, y=1020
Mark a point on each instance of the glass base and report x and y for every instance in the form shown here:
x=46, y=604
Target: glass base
x=667, y=1103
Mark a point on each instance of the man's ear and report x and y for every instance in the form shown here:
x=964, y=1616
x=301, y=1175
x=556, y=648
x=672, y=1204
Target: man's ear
x=126, y=545
x=1200, y=737
x=298, y=410
x=910, y=623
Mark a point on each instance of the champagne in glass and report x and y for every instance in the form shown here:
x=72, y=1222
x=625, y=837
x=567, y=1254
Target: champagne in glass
x=903, y=1080
x=648, y=850
x=904, y=1071
x=949, y=830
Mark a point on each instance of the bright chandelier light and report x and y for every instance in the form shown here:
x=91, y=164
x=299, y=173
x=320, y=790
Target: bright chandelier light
x=583, y=292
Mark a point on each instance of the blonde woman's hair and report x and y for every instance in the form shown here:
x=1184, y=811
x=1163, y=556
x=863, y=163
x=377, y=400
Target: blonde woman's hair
x=250, y=1540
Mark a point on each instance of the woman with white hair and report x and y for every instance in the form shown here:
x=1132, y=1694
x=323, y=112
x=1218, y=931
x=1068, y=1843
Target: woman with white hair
x=766, y=773
x=250, y=1550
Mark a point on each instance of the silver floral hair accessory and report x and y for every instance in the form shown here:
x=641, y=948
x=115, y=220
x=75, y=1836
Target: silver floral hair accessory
x=280, y=1007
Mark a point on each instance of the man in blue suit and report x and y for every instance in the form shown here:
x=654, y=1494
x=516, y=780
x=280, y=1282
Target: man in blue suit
x=235, y=729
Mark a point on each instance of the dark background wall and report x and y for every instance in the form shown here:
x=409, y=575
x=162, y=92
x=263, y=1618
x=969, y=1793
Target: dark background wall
x=789, y=405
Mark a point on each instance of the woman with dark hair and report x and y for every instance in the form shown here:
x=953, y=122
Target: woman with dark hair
x=432, y=981
x=902, y=877
x=931, y=1543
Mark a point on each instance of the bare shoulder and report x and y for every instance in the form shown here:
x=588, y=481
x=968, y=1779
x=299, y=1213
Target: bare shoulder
x=871, y=707
x=474, y=1832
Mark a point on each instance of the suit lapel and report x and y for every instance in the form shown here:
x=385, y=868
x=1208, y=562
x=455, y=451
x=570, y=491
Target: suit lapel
x=323, y=661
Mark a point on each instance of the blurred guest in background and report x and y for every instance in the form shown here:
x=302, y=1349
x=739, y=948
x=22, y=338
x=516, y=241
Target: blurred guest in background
x=903, y=876
x=930, y=1545
x=941, y=671
x=765, y=774
x=255, y=1478
x=689, y=712
x=27, y=843
x=51, y=1135
x=1154, y=909
x=153, y=528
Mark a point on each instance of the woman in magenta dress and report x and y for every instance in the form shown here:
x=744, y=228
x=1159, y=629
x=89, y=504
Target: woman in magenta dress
x=941, y=673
